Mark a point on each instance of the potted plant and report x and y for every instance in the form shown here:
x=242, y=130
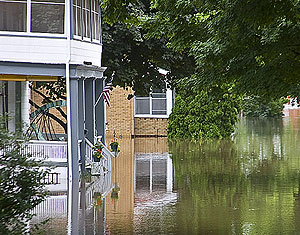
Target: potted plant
x=114, y=145
x=115, y=192
x=98, y=199
x=97, y=152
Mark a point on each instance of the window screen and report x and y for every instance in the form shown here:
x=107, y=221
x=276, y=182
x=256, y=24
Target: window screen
x=47, y=17
x=142, y=105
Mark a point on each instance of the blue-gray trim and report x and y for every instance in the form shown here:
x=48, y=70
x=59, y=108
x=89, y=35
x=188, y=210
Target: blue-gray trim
x=73, y=95
x=19, y=68
x=99, y=110
x=81, y=124
x=59, y=70
x=89, y=118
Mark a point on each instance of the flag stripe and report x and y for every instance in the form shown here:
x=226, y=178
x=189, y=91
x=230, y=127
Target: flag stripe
x=107, y=89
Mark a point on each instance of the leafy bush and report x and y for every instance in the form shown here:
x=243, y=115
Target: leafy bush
x=204, y=115
x=254, y=106
x=21, y=187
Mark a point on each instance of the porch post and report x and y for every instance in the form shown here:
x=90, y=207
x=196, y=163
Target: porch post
x=25, y=106
x=73, y=159
x=89, y=107
x=100, y=110
x=81, y=125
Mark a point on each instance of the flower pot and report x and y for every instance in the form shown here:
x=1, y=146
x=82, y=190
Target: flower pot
x=114, y=148
x=96, y=159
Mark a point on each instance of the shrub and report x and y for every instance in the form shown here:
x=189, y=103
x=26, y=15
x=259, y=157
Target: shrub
x=204, y=115
x=21, y=187
x=254, y=106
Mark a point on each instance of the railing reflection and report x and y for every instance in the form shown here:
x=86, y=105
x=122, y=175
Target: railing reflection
x=80, y=210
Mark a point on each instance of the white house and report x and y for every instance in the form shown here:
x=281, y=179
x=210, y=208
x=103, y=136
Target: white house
x=45, y=40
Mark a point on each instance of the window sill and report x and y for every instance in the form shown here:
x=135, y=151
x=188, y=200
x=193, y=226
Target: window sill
x=34, y=35
x=150, y=116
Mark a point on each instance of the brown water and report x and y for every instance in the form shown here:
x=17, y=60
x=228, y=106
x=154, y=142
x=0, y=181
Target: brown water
x=246, y=185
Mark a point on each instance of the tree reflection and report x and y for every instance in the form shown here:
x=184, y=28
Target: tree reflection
x=243, y=186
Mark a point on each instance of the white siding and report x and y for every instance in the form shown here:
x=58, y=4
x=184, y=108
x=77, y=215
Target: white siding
x=85, y=51
x=32, y=49
x=47, y=50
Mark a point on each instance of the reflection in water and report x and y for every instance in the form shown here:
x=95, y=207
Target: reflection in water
x=80, y=210
x=249, y=185
x=154, y=196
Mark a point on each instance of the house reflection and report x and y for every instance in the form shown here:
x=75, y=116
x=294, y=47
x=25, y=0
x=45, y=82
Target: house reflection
x=141, y=175
x=86, y=202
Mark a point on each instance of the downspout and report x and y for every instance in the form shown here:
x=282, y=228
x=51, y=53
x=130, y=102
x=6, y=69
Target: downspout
x=73, y=181
x=68, y=59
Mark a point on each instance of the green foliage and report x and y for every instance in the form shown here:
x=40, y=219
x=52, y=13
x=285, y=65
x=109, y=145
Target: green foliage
x=253, y=44
x=204, y=115
x=254, y=106
x=21, y=187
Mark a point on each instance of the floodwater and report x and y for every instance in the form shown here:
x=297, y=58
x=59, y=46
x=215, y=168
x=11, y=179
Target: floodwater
x=246, y=185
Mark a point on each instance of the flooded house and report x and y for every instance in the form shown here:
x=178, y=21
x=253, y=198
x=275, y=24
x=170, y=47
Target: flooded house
x=46, y=42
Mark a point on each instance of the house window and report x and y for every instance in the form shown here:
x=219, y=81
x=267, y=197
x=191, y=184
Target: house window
x=157, y=104
x=47, y=16
x=86, y=17
x=42, y=16
x=13, y=16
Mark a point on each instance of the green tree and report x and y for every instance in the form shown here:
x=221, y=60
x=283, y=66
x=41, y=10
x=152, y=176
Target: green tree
x=133, y=56
x=255, y=106
x=204, y=114
x=253, y=44
x=21, y=187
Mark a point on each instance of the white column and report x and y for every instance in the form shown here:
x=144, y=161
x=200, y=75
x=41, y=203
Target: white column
x=150, y=170
x=25, y=106
x=11, y=106
x=169, y=101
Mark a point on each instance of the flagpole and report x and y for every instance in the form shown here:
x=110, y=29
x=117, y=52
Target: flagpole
x=98, y=100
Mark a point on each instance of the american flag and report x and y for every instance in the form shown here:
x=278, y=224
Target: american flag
x=107, y=89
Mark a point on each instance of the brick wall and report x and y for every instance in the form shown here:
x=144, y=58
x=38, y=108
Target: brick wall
x=120, y=114
x=150, y=126
x=120, y=117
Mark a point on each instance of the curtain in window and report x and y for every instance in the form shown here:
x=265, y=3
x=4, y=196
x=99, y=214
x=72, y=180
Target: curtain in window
x=13, y=16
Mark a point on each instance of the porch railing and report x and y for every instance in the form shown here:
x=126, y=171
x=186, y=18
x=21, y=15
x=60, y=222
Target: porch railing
x=54, y=151
x=104, y=165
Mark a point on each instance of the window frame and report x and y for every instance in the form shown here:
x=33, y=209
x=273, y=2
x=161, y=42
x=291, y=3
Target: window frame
x=71, y=21
x=91, y=38
x=28, y=23
x=168, y=98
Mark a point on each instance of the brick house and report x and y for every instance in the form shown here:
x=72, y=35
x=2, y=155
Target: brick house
x=139, y=116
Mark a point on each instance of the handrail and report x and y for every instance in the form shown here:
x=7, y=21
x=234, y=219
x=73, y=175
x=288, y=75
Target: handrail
x=105, y=161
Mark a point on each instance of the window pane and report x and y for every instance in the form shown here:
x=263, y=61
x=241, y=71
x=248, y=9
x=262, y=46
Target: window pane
x=56, y=1
x=159, y=112
x=158, y=95
x=47, y=18
x=142, y=106
x=97, y=34
x=77, y=17
x=159, y=106
x=12, y=16
x=88, y=24
x=79, y=21
x=75, y=29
